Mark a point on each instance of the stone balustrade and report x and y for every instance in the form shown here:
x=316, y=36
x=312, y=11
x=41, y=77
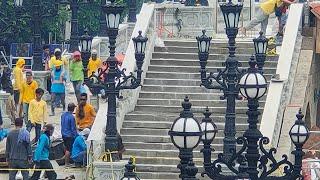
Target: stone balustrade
x=280, y=87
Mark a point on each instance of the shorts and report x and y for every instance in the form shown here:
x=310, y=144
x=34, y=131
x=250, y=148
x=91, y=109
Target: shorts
x=283, y=19
x=68, y=143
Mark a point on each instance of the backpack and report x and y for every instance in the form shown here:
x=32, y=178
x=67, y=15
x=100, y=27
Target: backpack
x=278, y=11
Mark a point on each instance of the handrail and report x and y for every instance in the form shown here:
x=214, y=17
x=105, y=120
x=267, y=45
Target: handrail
x=280, y=89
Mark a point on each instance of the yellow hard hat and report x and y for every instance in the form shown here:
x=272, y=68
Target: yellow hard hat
x=58, y=63
x=20, y=62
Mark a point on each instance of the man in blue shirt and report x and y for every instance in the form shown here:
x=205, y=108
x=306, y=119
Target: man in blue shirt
x=68, y=131
x=41, y=155
x=79, y=148
x=57, y=86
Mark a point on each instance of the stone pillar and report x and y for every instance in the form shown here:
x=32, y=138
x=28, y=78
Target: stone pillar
x=109, y=170
x=94, y=101
x=3, y=101
x=41, y=78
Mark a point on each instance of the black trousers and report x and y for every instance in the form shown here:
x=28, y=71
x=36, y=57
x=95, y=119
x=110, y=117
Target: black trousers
x=44, y=164
x=18, y=164
x=16, y=96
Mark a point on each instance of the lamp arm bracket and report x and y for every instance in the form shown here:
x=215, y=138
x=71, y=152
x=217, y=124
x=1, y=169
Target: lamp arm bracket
x=208, y=82
x=241, y=72
x=123, y=80
x=267, y=159
x=237, y=158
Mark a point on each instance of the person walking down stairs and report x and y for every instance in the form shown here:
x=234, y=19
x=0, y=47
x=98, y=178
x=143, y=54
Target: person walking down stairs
x=58, y=79
x=41, y=155
x=267, y=8
x=38, y=114
x=76, y=74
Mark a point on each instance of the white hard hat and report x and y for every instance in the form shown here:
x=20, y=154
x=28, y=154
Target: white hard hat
x=85, y=132
x=57, y=50
x=94, y=51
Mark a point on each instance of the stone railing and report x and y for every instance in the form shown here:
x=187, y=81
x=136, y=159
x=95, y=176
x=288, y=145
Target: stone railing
x=280, y=87
x=101, y=44
x=180, y=21
x=187, y=22
x=145, y=23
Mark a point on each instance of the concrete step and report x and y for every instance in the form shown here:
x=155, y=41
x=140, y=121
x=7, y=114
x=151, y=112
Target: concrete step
x=165, y=146
x=181, y=95
x=163, y=168
x=157, y=175
x=213, y=50
x=167, y=163
x=177, y=102
x=177, y=109
x=214, y=43
x=196, y=69
x=181, y=89
x=166, y=55
x=178, y=95
x=170, y=117
x=160, y=132
x=167, y=125
x=211, y=62
x=155, y=138
x=178, y=82
x=161, y=153
x=142, y=167
x=178, y=75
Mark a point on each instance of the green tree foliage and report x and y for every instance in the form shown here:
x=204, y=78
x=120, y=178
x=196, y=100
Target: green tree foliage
x=20, y=31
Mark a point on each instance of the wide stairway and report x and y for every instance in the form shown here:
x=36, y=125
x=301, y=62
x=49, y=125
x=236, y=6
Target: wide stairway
x=174, y=73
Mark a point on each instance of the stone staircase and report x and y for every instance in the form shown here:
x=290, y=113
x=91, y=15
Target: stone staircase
x=174, y=73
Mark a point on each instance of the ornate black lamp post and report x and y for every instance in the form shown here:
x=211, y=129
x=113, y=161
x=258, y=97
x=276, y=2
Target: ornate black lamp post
x=85, y=42
x=18, y=11
x=74, y=7
x=253, y=86
x=103, y=26
x=252, y=165
x=129, y=173
x=116, y=79
x=186, y=139
x=39, y=11
x=260, y=48
x=132, y=4
x=226, y=79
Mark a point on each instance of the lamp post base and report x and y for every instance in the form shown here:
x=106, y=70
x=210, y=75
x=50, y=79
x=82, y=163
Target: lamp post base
x=41, y=78
x=108, y=170
x=111, y=148
x=3, y=106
